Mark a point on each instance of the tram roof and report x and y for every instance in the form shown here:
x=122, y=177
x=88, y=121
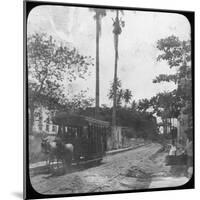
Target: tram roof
x=72, y=119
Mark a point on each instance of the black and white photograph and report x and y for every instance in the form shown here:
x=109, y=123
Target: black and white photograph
x=110, y=103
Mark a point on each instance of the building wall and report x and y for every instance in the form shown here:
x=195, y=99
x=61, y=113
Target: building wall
x=166, y=129
x=116, y=139
x=45, y=128
x=43, y=122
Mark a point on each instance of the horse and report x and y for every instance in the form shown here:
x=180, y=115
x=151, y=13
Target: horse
x=59, y=151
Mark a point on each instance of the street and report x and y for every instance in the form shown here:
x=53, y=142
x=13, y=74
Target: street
x=130, y=170
x=89, y=131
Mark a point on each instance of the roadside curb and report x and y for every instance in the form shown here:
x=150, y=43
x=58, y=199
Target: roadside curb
x=112, y=152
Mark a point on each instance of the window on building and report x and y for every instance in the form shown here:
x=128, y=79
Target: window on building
x=54, y=128
x=47, y=124
x=47, y=127
x=40, y=121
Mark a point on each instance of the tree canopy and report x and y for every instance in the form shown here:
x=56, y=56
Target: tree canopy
x=121, y=94
x=49, y=65
x=177, y=54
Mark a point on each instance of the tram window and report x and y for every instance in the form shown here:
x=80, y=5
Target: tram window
x=60, y=132
x=54, y=128
x=40, y=126
x=47, y=127
x=85, y=132
x=75, y=132
x=69, y=132
x=89, y=131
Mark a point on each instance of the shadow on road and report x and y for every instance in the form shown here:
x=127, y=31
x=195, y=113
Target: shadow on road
x=60, y=171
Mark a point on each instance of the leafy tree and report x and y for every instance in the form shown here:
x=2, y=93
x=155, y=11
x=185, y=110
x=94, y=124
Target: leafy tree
x=140, y=124
x=174, y=51
x=143, y=123
x=49, y=65
x=178, y=55
x=143, y=105
x=134, y=105
x=120, y=97
x=167, y=106
x=119, y=92
x=99, y=14
x=79, y=102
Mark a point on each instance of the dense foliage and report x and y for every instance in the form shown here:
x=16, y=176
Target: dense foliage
x=178, y=55
x=51, y=66
x=122, y=95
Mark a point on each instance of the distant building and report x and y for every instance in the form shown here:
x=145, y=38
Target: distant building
x=43, y=122
x=116, y=138
x=165, y=128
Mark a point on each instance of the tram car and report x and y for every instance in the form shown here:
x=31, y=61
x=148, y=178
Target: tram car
x=86, y=134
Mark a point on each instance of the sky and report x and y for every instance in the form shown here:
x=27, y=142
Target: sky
x=137, y=65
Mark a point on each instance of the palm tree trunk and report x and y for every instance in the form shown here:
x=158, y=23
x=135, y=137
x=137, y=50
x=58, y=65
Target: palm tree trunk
x=97, y=65
x=116, y=38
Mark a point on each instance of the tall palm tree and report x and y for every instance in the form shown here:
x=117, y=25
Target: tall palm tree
x=117, y=24
x=143, y=105
x=134, y=105
x=99, y=13
x=120, y=96
x=118, y=88
x=127, y=96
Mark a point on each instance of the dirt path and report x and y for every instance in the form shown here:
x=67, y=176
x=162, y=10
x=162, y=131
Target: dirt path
x=128, y=170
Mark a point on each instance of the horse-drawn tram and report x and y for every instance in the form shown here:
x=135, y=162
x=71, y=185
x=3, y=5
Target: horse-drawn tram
x=80, y=139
